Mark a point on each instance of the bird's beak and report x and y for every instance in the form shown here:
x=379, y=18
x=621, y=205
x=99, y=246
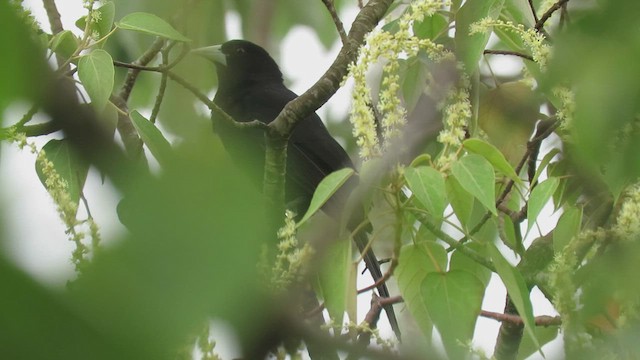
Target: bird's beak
x=213, y=53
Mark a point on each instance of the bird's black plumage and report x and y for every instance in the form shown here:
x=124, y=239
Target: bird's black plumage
x=251, y=87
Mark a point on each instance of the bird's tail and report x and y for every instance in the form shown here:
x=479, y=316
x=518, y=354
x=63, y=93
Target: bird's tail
x=373, y=266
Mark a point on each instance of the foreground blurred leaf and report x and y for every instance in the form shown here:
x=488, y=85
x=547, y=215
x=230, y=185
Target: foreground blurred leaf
x=334, y=278
x=196, y=234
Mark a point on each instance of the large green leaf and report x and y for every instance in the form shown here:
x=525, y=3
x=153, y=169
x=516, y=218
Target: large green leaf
x=64, y=43
x=97, y=76
x=105, y=21
x=427, y=186
x=453, y=300
x=476, y=175
x=150, y=24
x=460, y=261
x=327, y=187
x=469, y=48
x=538, y=198
x=71, y=168
x=414, y=263
x=152, y=137
x=517, y=290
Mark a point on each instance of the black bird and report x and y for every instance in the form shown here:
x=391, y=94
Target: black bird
x=251, y=87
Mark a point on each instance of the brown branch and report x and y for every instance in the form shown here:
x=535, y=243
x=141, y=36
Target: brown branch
x=46, y=128
x=533, y=11
x=547, y=15
x=507, y=52
x=336, y=20
x=56, y=27
x=543, y=320
x=134, y=71
x=383, y=279
x=161, y=90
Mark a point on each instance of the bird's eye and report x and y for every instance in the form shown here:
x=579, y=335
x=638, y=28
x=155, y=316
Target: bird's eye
x=240, y=50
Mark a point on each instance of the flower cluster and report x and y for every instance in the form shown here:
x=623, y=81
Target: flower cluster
x=628, y=221
x=567, y=106
x=388, y=46
x=456, y=117
x=532, y=39
x=67, y=209
x=291, y=258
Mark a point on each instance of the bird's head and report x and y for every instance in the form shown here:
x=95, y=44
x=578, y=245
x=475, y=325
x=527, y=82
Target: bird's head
x=240, y=62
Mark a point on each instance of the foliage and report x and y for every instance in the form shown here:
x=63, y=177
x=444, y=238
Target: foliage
x=449, y=207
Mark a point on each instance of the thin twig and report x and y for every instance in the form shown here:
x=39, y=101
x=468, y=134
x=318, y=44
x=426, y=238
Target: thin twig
x=161, y=90
x=533, y=11
x=336, y=20
x=547, y=15
x=508, y=52
x=543, y=320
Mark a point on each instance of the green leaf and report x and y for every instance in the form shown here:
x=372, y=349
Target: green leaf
x=539, y=197
x=97, y=76
x=414, y=263
x=461, y=200
x=413, y=80
x=460, y=261
x=476, y=176
x=568, y=226
x=152, y=137
x=427, y=185
x=327, y=187
x=430, y=27
x=494, y=156
x=64, y=44
x=545, y=334
x=334, y=278
x=544, y=163
x=453, y=300
x=104, y=24
x=150, y=24
x=517, y=290
x=68, y=165
x=469, y=48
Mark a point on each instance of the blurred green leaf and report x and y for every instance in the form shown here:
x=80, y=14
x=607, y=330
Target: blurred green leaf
x=334, y=278
x=475, y=175
x=517, y=290
x=414, y=79
x=327, y=187
x=544, y=163
x=150, y=24
x=414, y=263
x=453, y=300
x=152, y=137
x=71, y=167
x=97, y=76
x=540, y=195
x=567, y=227
x=427, y=185
x=544, y=334
x=494, y=156
x=469, y=48
x=22, y=71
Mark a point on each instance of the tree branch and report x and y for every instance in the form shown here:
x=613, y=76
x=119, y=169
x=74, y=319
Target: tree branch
x=336, y=20
x=507, y=52
x=547, y=15
x=543, y=320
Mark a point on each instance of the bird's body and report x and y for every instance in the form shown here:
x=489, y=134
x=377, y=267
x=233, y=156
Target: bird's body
x=251, y=87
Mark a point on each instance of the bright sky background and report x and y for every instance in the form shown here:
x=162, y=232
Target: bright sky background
x=37, y=240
